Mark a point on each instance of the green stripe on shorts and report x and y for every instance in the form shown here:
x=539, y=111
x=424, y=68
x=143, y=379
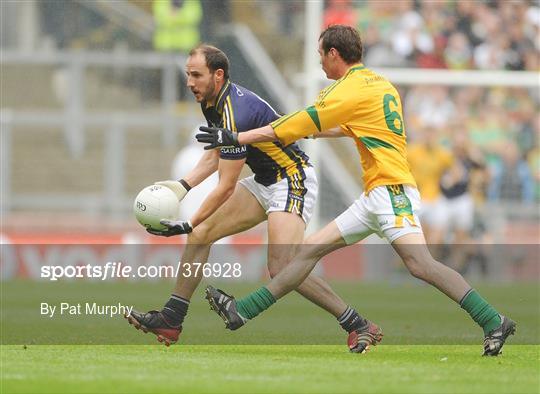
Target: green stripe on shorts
x=400, y=202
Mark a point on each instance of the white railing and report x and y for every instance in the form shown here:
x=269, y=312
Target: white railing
x=415, y=76
x=127, y=15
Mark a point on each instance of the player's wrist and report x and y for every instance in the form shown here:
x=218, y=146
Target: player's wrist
x=176, y=186
x=185, y=185
x=235, y=138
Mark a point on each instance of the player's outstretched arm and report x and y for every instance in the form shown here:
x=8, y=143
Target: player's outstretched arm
x=216, y=137
x=336, y=132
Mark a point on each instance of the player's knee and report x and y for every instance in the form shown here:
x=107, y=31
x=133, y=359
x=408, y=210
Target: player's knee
x=273, y=270
x=200, y=236
x=276, y=263
x=279, y=256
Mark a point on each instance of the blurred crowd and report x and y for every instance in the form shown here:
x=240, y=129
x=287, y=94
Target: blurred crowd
x=463, y=34
x=502, y=126
x=469, y=146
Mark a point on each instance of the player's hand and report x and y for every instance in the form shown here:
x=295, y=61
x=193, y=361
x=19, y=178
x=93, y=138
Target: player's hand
x=180, y=188
x=217, y=136
x=174, y=227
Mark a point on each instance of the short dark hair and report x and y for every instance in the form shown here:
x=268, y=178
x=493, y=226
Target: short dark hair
x=345, y=39
x=215, y=58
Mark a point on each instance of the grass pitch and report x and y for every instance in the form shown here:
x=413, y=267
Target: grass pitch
x=430, y=345
x=267, y=369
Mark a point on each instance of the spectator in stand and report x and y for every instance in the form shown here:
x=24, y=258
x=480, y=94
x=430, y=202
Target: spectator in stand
x=435, y=59
x=521, y=112
x=429, y=160
x=512, y=179
x=339, y=12
x=177, y=24
x=491, y=54
x=458, y=53
x=468, y=101
x=501, y=34
x=437, y=107
x=457, y=214
x=486, y=23
x=465, y=10
x=533, y=159
x=177, y=28
x=486, y=130
x=438, y=17
x=382, y=15
x=412, y=38
x=532, y=26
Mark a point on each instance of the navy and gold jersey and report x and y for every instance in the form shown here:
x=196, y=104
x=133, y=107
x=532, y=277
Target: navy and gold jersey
x=239, y=109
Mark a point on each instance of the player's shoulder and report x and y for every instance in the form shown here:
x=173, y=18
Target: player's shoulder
x=245, y=96
x=368, y=77
x=251, y=110
x=353, y=82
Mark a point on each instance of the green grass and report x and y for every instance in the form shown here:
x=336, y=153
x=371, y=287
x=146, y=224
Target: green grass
x=430, y=345
x=267, y=369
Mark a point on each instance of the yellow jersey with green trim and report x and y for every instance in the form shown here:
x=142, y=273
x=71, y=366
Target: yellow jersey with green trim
x=367, y=107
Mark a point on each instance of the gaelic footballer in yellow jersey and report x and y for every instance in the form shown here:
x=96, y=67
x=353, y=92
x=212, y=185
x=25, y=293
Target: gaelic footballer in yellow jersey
x=366, y=107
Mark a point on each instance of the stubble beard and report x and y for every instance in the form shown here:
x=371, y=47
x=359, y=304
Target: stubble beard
x=210, y=92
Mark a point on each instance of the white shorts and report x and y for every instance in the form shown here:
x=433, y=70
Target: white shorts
x=296, y=194
x=388, y=211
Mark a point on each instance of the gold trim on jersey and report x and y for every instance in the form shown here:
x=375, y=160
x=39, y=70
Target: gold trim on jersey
x=228, y=115
x=231, y=111
x=223, y=90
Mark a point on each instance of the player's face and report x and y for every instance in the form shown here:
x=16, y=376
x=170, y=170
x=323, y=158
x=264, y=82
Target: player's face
x=327, y=61
x=202, y=83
